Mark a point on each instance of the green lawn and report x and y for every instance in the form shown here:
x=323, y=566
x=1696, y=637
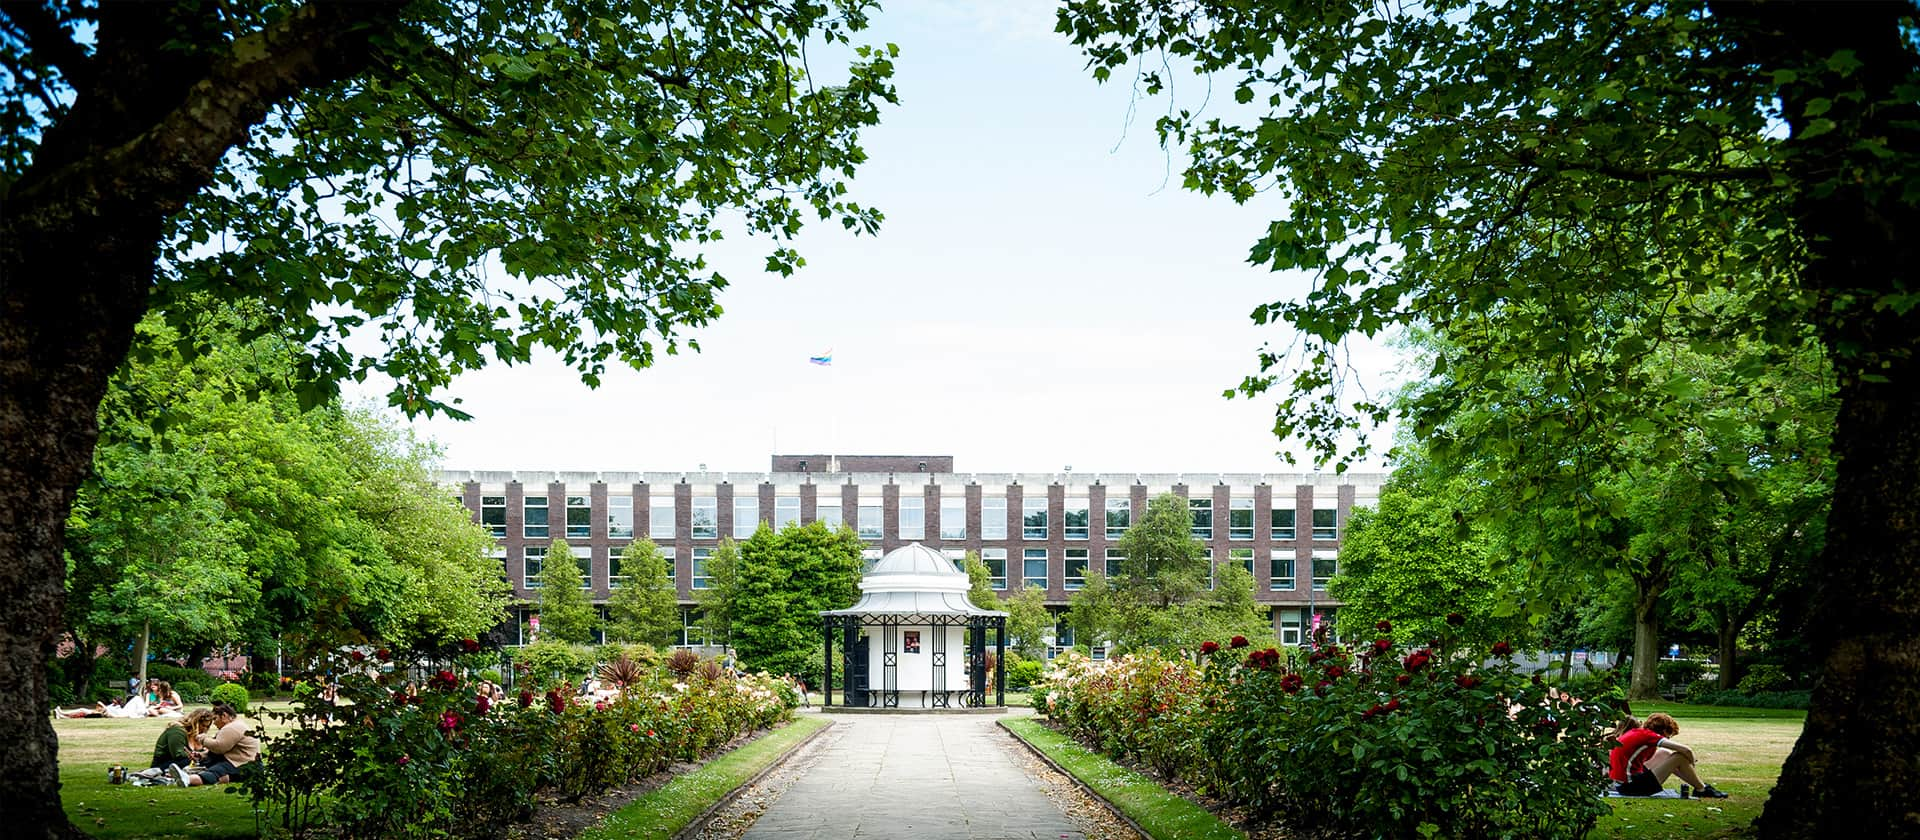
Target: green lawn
x=1740, y=751
x=88, y=747
x=1162, y=813
x=663, y=811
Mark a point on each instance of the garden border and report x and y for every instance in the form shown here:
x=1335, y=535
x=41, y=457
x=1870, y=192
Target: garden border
x=699, y=822
x=1077, y=782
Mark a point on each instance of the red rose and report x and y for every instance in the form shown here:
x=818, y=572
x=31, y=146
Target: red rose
x=556, y=701
x=1291, y=683
x=449, y=721
x=443, y=681
x=1321, y=687
x=400, y=698
x=1383, y=626
x=470, y=645
x=356, y=656
x=1403, y=679
x=526, y=699
x=1237, y=642
x=1418, y=659
x=402, y=760
x=1372, y=711
x=1502, y=649
x=1466, y=681
x=482, y=705
x=383, y=654
x=1456, y=619
x=1209, y=646
x=649, y=733
x=1335, y=672
x=1391, y=705
x=599, y=705
x=1382, y=645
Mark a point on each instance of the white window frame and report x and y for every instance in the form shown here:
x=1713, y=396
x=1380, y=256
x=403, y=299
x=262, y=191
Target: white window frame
x=1029, y=508
x=528, y=530
x=584, y=530
x=494, y=503
x=529, y=555
x=1068, y=579
x=1326, y=532
x=836, y=520
x=910, y=518
x=1115, y=561
x=953, y=518
x=1276, y=581
x=616, y=559
x=1289, y=531
x=709, y=530
x=872, y=521
x=786, y=511
x=1236, y=507
x=1333, y=559
x=1124, y=507
x=700, y=580
x=1195, y=506
x=993, y=527
x=1085, y=509
x=617, y=504
x=657, y=530
x=743, y=527
x=1028, y=555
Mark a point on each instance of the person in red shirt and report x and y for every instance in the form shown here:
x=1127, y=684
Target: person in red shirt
x=1647, y=756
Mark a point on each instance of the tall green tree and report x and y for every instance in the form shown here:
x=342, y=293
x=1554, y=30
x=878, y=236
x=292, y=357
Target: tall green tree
x=980, y=589
x=1028, y=621
x=1166, y=596
x=1437, y=162
x=464, y=181
x=717, y=601
x=786, y=579
x=645, y=607
x=566, y=613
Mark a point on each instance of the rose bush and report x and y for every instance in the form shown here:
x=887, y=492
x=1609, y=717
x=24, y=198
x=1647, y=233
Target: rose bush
x=389, y=761
x=1366, y=743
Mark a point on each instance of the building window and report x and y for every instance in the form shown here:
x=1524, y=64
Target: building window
x=956, y=556
x=1033, y=521
x=1326, y=524
x=535, y=522
x=1075, y=520
x=1290, y=627
x=993, y=518
x=1325, y=565
x=746, y=516
x=493, y=514
x=1034, y=566
x=1202, y=518
x=585, y=561
x=706, y=518
x=616, y=575
x=953, y=519
x=786, y=511
x=1114, y=561
x=672, y=557
x=579, y=517
x=700, y=579
x=660, y=519
x=535, y=557
x=996, y=560
x=1240, y=519
x=1280, y=571
x=1283, y=524
x=1076, y=568
x=1119, y=517
x=871, y=521
x=1242, y=556
x=620, y=517
x=692, y=631
x=1213, y=574
x=913, y=518
x=827, y=512
x=871, y=555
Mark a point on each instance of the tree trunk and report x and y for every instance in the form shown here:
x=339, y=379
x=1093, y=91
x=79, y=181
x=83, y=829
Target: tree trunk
x=1566, y=664
x=140, y=651
x=1853, y=768
x=1726, y=639
x=1646, y=644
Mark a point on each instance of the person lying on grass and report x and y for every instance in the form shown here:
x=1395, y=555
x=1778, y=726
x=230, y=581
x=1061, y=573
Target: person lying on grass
x=229, y=749
x=1647, y=756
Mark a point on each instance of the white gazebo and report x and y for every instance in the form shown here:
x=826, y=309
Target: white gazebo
x=914, y=640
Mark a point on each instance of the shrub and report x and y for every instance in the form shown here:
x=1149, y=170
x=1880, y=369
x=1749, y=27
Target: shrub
x=547, y=663
x=1676, y=674
x=233, y=694
x=190, y=682
x=1365, y=744
x=1763, y=678
x=1023, y=673
x=1753, y=700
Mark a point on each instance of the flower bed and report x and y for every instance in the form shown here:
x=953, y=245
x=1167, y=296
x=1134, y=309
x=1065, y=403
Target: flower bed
x=385, y=761
x=1374, y=742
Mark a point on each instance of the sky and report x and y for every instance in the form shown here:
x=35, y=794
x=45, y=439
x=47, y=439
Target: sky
x=1042, y=295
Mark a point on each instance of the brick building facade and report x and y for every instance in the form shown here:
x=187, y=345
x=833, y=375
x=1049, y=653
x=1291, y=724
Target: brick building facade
x=1042, y=529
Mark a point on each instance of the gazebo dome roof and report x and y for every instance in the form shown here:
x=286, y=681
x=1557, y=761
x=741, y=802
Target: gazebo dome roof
x=914, y=581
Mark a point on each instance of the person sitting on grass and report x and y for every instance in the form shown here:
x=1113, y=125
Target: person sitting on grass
x=172, y=747
x=229, y=749
x=1646, y=756
x=165, y=701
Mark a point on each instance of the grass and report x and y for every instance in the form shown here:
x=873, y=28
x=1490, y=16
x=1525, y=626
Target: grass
x=88, y=747
x=1740, y=751
x=1162, y=813
x=663, y=811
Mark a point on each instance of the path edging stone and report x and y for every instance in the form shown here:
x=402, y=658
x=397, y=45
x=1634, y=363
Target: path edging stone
x=1083, y=786
x=698, y=824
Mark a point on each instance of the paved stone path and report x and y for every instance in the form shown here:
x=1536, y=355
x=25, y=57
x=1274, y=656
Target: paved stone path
x=922, y=777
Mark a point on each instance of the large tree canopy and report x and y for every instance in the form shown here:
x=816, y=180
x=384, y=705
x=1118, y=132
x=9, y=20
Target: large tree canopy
x=465, y=180
x=1539, y=159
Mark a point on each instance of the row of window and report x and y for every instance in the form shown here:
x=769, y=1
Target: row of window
x=910, y=522
x=1033, y=566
